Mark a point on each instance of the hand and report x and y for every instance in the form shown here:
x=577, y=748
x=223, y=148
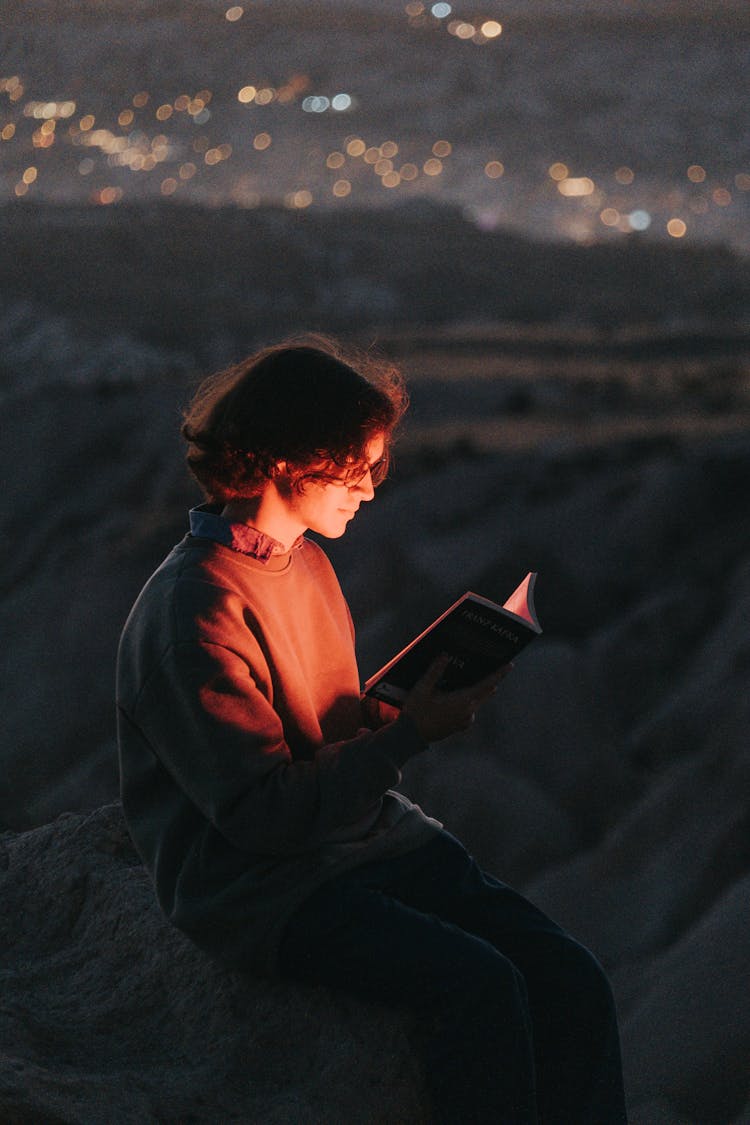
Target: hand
x=377, y=713
x=438, y=714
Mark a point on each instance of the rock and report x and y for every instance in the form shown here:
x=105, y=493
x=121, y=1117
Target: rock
x=109, y=1016
x=688, y=1035
x=664, y=863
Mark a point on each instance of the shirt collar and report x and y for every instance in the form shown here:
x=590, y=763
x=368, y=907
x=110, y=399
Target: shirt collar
x=207, y=522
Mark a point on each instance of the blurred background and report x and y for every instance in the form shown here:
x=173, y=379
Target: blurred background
x=540, y=211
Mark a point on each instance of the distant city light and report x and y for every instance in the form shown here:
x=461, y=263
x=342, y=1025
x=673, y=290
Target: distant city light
x=575, y=186
x=639, y=220
x=299, y=199
x=107, y=195
x=319, y=103
x=440, y=11
x=158, y=142
x=315, y=104
x=461, y=29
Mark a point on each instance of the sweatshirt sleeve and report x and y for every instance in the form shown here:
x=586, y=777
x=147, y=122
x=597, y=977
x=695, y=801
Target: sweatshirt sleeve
x=217, y=734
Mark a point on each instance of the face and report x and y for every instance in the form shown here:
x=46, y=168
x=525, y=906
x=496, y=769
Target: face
x=328, y=507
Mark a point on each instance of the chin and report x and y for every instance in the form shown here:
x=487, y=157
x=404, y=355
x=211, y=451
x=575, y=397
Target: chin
x=329, y=531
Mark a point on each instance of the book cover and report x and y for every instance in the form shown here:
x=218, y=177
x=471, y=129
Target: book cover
x=479, y=635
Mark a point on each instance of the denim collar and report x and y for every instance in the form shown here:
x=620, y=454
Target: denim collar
x=207, y=522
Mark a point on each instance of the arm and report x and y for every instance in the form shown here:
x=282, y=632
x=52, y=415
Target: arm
x=217, y=734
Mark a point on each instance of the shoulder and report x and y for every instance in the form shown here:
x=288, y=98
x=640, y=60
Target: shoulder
x=313, y=558
x=195, y=590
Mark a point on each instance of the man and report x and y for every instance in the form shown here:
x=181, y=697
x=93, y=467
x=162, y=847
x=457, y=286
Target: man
x=257, y=784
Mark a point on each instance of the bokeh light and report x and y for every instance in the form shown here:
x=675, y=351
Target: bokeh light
x=163, y=135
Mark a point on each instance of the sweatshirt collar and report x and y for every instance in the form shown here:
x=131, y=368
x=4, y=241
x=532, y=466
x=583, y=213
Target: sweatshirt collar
x=207, y=522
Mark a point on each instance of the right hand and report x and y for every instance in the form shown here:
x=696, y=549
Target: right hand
x=438, y=714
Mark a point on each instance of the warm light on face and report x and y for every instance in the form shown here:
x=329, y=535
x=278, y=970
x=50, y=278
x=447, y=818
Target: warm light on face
x=330, y=497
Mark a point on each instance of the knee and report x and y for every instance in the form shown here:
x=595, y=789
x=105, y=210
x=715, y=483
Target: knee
x=487, y=980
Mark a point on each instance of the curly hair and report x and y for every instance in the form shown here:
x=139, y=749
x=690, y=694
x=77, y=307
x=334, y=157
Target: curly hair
x=306, y=402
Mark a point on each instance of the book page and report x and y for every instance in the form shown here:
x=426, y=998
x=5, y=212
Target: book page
x=521, y=601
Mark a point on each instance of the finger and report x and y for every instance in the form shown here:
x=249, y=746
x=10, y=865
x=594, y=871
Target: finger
x=475, y=693
x=488, y=686
x=434, y=673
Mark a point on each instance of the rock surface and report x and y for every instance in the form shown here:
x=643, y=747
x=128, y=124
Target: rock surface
x=111, y=1017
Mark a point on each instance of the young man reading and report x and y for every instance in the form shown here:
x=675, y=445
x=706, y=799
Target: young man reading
x=257, y=785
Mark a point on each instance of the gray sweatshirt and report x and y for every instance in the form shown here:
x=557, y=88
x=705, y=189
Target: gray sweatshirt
x=248, y=773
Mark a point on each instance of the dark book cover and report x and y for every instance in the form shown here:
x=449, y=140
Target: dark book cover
x=479, y=635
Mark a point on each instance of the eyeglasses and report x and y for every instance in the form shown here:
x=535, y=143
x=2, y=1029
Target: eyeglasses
x=378, y=472
x=353, y=474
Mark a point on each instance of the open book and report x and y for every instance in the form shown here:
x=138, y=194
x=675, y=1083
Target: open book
x=478, y=635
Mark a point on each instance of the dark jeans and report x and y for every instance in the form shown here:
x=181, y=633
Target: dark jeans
x=516, y=1022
